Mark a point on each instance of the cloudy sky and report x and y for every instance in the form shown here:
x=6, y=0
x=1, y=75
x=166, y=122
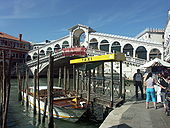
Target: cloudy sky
x=40, y=20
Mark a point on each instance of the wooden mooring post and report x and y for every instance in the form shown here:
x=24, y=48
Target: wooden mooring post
x=88, y=87
x=103, y=78
x=120, y=87
x=26, y=85
x=38, y=89
x=68, y=80
x=74, y=77
x=6, y=90
x=59, y=77
x=77, y=83
x=35, y=92
x=3, y=125
x=50, y=92
x=45, y=109
x=65, y=80
x=18, y=73
x=7, y=94
x=112, y=86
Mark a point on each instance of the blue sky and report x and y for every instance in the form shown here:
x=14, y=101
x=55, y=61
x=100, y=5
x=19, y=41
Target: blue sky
x=40, y=20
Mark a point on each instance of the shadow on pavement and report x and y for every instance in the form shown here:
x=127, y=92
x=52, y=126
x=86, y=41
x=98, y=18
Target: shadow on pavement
x=121, y=126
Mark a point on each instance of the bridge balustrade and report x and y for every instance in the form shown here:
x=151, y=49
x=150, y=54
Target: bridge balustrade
x=81, y=51
x=95, y=52
x=135, y=61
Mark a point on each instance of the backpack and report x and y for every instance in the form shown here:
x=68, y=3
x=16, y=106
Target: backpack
x=138, y=77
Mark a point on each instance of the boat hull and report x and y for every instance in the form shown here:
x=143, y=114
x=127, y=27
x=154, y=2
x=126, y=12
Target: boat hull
x=69, y=114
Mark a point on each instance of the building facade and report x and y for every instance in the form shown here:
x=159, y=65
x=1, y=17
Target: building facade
x=15, y=47
x=167, y=40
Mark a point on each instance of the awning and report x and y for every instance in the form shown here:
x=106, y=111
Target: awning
x=155, y=62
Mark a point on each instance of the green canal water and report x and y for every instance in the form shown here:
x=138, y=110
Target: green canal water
x=20, y=117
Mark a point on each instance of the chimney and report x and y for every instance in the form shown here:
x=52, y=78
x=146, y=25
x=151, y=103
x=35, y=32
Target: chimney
x=20, y=37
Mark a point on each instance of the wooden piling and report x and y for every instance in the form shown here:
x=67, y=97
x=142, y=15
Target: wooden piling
x=18, y=74
x=112, y=86
x=93, y=85
x=38, y=90
x=3, y=90
x=26, y=85
x=5, y=114
x=103, y=78
x=65, y=80
x=77, y=82
x=74, y=77
x=120, y=87
x=23, y=87
x=3, y=82
x=19, y=86
x=50, y=92
x=88, y=87
x=59, y=78
x=35, y=92
x=45, y=109
x=68, y=79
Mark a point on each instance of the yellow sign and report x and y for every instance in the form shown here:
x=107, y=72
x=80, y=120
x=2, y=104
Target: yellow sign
x=108, y=57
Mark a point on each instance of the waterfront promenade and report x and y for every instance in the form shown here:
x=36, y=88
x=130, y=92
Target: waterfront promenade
x=133, y=114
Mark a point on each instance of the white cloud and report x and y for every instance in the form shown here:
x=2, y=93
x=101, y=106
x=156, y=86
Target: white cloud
x=21, y=9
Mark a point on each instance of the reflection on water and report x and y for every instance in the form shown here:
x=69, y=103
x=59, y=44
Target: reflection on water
x=20, y=117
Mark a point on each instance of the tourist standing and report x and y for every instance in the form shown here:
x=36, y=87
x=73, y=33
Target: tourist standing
x=164, y=85
x=158, y=91
x=138, y=82
x=150, y=91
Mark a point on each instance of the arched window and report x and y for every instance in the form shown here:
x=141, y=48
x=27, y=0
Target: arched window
x=57, y=47
x=115, y=47
x=42, y=53
x=35, y=55
x=49, y=50
x=93, y=43
x=128, y=50
x=65, y=44
x=141, y=52
x=154, y=53
x=104, y=45
x=28, y=58
x=78, y=37
x=82, y=37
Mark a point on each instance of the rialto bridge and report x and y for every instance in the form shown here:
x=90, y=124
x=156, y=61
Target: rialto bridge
x=137, y=51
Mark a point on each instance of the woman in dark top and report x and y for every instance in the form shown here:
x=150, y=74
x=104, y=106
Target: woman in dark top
x=164, y=85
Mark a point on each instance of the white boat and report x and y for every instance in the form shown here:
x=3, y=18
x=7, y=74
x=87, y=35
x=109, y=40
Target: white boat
x=64, y=107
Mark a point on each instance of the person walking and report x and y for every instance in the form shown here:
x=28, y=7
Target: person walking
x=138, y=82
x=150, y=91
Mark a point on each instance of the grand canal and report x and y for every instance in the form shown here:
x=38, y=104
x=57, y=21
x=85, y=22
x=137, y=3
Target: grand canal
x=20, y=117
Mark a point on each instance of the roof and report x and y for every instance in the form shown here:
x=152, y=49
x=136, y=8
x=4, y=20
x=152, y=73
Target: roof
x=4, y=35
x=150, y=30
x=155, y=62
x=80, y=25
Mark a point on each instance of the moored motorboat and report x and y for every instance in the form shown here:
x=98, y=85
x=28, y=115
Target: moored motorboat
x=65, y=107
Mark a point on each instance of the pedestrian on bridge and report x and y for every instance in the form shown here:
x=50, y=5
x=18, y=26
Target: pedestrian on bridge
x=138, y=82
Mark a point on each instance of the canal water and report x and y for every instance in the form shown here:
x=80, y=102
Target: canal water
x=20, y=117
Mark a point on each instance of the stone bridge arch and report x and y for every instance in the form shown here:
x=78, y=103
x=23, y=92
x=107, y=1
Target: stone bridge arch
x=141, y=52
x=128, y=49
x=115, y=47
x=94, y=43
x=104, y=45
x=154, y=53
